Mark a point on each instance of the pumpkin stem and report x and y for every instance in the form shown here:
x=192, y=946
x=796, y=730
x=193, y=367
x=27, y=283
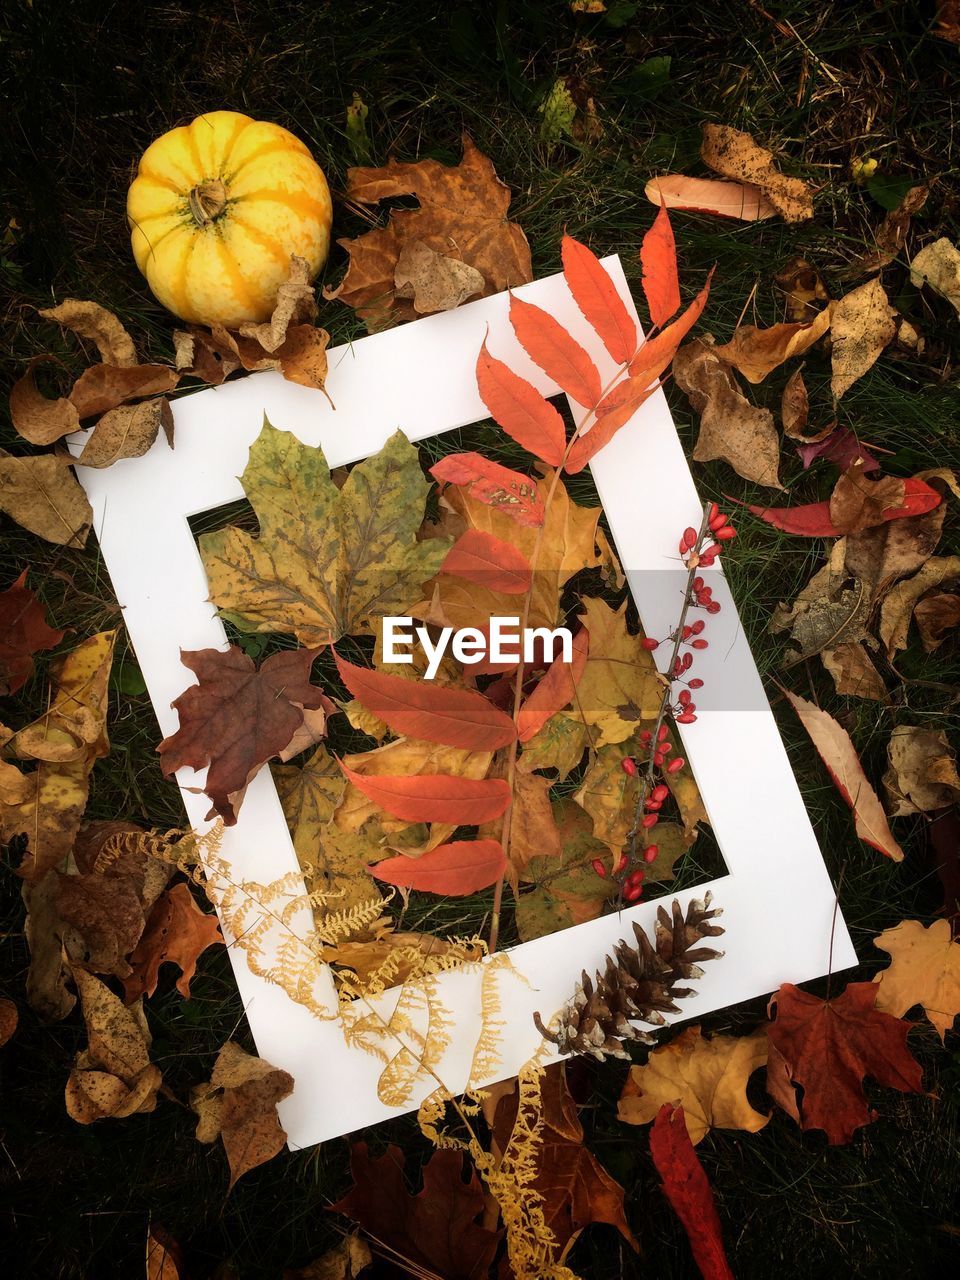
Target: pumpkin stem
x=207, y=201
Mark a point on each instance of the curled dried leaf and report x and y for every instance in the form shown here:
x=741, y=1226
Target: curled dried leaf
x=97, y=324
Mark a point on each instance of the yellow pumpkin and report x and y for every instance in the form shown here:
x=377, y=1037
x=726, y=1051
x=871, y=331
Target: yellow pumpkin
x=216, y=210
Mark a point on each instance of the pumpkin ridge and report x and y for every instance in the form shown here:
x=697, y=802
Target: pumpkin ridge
x=165, y=183
x=295, y=200
x=241, y=284
x=177, y=283
x=268, y=149
x=152, y=244
x=242, y=127
x=261, y=238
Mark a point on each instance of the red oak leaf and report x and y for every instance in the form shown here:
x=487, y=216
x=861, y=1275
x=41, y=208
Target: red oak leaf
x=177, y=932
x=826, y=1047
x=237, y=718
x=23, y=632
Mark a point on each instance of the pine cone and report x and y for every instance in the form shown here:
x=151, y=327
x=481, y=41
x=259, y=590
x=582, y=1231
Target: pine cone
x=638, y=983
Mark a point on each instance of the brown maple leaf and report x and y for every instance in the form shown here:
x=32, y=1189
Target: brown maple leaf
x=462, y=217
x=23, y=632
x=436, y=1229
x=826, y=1047
x=237, y=718
x=177, y=932
x=575, y=1187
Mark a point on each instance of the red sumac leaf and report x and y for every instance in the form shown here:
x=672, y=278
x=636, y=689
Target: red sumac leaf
x=555, y=691
x=813, y=520
x=438, y=797
x=558, y=354
x=658, y=258
x=660, y=350
x=455, y=869
x=596, y=296
x=603, y=431
x=455, y=717
x=525, y=415
x=490, y=562
x=513, y=494
x=686, y=1187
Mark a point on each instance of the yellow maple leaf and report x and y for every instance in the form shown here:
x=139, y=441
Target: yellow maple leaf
x=924, y=969
x=328, y=562
x=708, y=1078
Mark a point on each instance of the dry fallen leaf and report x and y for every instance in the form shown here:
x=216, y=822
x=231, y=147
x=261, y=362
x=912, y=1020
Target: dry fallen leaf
x=113, y=1076
x=741, y=200
x=345, y=1261
x=902, y=599
x=859, y=503
x=802, y=288
x=734, y=154
x=104, y=386
x=924, y=969
x=239, y=1106
x=830, y=611
x=853, y=672
x=795, y=409
x=936, y=616
x=756, y=352
x=922, y=775
x=97, y=324
x=708, y=1078
x=890, y=235
x=100, y=920
x=127, y=432
x=432, y=280
x=462, y=214
x=838, y=753
x=8, y=1019
x=177, y=932
x=731, y=428
x=37, y=417
x=296, y=303
x=863, y=324
x=41, y=494
x=938, y=265
x=23, y=632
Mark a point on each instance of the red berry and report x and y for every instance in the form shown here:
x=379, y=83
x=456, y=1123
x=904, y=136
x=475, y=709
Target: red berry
x=662, y=733
x=649, y=821
x=713, y=606
x=635, y=877
x=717, y=522
x=708, y=560
x=652, y=804
x=650, y=644
x=676, y=765
x=622, y=863
x=698, y=627
x=599, y=868
x=686, y=662
x=633, y=893
x=684, y=697
x=658, y=758
x=660, y=792
x=665, y=749
x=629, y=765
x=651, y=853
x=714, y=511
x=690, y=536
x=726, y=534
x=699, y=644
x=696, y=683
x=645, y=735
x=687, y=718
x=698, y=584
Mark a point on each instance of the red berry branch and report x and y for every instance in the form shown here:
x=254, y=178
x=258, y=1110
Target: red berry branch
x=698, y=549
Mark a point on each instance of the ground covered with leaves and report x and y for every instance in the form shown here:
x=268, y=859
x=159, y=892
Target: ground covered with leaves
x=578, y=106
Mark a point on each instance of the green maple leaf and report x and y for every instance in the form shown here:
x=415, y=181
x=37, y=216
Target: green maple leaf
x=328, y=562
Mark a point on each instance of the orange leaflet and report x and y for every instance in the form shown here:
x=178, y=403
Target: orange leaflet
x=513, y=494
x=558, y=354
x=686, y=1187
x=603, y=431
x=596, y=296
x=658, y=258
x=490, y=562
x=455, y=717
x=438, y=797
x=555, y=691
x=661, y=349
x=455, y=869
x=520, y=409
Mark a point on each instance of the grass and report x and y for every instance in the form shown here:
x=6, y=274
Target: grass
x=86, y=89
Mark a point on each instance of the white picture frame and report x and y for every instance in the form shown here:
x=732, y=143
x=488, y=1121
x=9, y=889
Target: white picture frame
x=780, y=913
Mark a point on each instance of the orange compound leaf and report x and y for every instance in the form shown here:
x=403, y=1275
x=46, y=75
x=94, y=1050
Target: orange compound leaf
x=455, y=869
x=658, y=351
x=658, y=258
x=489, y=562
x=686, y=1187
x=419, y=709
x=438, y=797
x=603, y=431
x=596, y=296
x=513, y=494
x=828, y=1046
x=559, y=355
x=517, y=406
x=556, y=690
